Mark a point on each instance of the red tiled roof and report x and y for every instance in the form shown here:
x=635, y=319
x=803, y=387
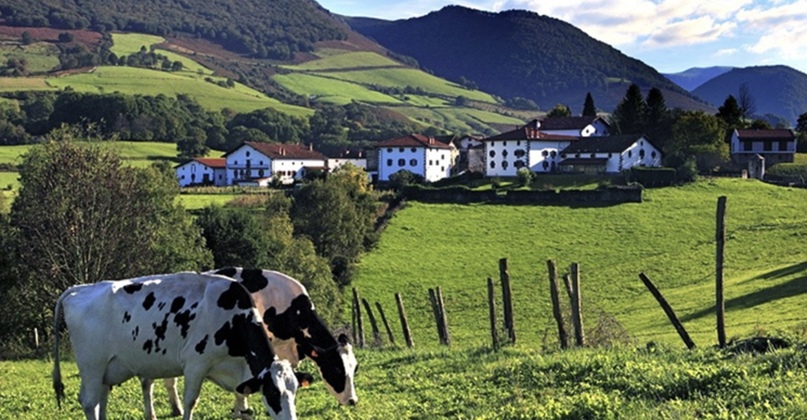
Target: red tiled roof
x=283, y=151
x=213, y=162
x=414, y=140
x=771, y=134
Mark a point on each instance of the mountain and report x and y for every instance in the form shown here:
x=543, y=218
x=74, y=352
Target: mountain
x=265, y=29
x=518, y=53
x=777, y=90
x=691, y=78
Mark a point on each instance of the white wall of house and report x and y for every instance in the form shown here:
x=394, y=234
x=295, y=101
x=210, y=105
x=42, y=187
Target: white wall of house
x=246, y=163
x=544, y=155
x=290, y=169
x=505, y=157
x=194, y=172
x=772, y=150
x=640, y=153
x=438, y=164
x=394, y=159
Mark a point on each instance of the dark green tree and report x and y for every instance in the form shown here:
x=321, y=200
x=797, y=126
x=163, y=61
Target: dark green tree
x=589, y=110
x=560, y=110
x=700, y=135
x=235, y=236
x=801, y=129
x=731, y=113
x=628, y=116
x=194, y=144
x=657, y=119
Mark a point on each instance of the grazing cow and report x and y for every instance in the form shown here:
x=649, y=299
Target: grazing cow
x=297, y=332
x=195, y=325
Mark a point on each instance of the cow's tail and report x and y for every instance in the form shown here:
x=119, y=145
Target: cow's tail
x=58, y=386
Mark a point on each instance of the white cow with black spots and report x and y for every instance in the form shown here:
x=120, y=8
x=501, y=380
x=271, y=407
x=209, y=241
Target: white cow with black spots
x=196, y=325
x=297, y=332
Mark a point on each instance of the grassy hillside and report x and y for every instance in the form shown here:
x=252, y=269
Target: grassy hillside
x=670, y=237
x=515, y=383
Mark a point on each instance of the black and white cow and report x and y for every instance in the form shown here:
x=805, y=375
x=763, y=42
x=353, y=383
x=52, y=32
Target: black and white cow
x=297, y=332
x=196, y=325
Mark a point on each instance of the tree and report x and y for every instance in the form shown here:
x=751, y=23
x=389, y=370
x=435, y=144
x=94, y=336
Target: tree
x=700, y=135
x=801, y=128
x=27, y=38
x=657, y=119
x=628, y=116
x=560, y=110
x=589, y=110
x=235, y=237
x=85, y=216
x=731, y=113
x=746, y=101
x=194, y=144
x=65, y=37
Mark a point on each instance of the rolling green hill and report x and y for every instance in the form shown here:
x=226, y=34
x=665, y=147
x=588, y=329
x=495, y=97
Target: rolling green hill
x=517, y=53
x=670, y=237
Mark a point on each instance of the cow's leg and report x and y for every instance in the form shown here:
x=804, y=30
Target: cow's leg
x=241, y=408
x=104, y=400
x=173, y=396
x=90, y=394
x=147, y=385
x=193, y=386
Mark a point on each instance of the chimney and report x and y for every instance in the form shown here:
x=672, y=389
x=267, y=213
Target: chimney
x=310, y=147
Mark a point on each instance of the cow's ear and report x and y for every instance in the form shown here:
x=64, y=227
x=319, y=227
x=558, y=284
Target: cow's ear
x=249, y=386
x=343, y=339
x=305, y=379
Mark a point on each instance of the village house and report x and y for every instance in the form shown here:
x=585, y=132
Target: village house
x=422, y=155
x=524, y=147
x=772, y=146
x=609, y=155
x=255, y=162
x=573, y=126
x=355, y=158
x=202, y=171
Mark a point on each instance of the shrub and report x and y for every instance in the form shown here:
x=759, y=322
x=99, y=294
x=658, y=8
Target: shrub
x=788, y=172
x=653, y=177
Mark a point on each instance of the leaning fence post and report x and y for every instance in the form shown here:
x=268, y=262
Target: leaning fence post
x=554, y=293
x=359, y=324
x=507, y=299
x=443, y=317
x=404, y=323
x=436, y=311
x=376, y=334
x=386, y=324
x=682, y=332
x=494, y=335
x=577, y=310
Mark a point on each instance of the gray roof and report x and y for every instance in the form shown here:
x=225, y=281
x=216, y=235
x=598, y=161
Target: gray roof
x=610, y=144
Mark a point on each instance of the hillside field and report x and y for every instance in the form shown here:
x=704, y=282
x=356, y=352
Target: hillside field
x=670, y=237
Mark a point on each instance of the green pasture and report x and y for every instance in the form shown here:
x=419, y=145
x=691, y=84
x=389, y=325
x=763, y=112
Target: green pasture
x=41, y=56
x=423, y=101
x=670, y=237
x=132, y=80
x=340, y=59
x=403, y=77
x=467, y=120
x=513, y=383
x=331, y=90
x=200, y=201
x=9, y=179
x=138, y=153
x=14, y=84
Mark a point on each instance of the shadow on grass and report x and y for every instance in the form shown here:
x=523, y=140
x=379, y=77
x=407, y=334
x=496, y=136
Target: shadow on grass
x=793, y=287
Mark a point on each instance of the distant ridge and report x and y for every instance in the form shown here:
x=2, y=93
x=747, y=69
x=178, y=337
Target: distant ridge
x=692, y=78
x=518, y=53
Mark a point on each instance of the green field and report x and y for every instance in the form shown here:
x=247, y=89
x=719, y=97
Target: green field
x=670, y=237
x=132, y=80
x=130, y=43
x=13, y=84
x=200, y=201
x=40, y=56
x=464, y=119
x=338, y=59
x=330, y=90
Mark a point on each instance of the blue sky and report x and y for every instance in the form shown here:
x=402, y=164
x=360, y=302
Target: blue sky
x=670, y=35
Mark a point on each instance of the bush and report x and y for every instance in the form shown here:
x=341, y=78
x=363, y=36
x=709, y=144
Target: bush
x=525, y=177
x=788, y=172
x=653, y=177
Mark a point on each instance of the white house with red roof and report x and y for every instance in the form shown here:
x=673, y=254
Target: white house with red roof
x=254, y=162
x=419, y=154
x=524, y=147
x=202, y=171
x=774, y=145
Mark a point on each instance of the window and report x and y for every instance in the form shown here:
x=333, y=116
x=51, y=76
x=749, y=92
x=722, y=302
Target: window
x=630, y=153
x=610, y=155
x=641, y=153
x=653, y=154
x=389, y=150
x=504, y=143
x=492, y=164
x=519, y=164
x=504, y=153
x=412, y=150
x=260, y=173
x=431, y=163
x=504, y=164
x=544, y=153
x=577, y=155
x=389, y=162
x=492, y=153
x=401, y=162
x=520, y=153
x=563, y=155
x=401, y=149
x=747, y=146
x=782, y=145
x=443, y=157
x=442, y=169
x=767, y=146
x=413, y=162
x=593, y=155
x=545, y=164
x=552, y=154
x=247, y=153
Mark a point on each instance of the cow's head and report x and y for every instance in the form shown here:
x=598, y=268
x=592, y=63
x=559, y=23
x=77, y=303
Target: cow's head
x=278, y=385
x=338, y=366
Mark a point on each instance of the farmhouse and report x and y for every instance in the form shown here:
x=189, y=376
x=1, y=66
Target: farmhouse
x=202, y=171
x=773, y=145
x=608, y=155
x=252, y=162
x=422, y=155
x=574, y=126
x=524, y=147
x=355, y=158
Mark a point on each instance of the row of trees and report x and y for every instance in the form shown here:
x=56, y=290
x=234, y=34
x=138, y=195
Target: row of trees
x=82, y=215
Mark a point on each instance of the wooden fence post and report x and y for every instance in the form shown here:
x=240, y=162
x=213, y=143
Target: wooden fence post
x=386, y=324
x=507, y=300
x=720, y=238
x=36, y=339
x=577, y=310
x=376, y=334
x=404, y=323
x=443, y=317
x=682, y=332
x=554, y=293
x=567, y=283
x=494, y=335
x=436, y=311
x=359, y=323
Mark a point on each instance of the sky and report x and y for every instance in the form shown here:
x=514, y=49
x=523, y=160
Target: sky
x=669, y=35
